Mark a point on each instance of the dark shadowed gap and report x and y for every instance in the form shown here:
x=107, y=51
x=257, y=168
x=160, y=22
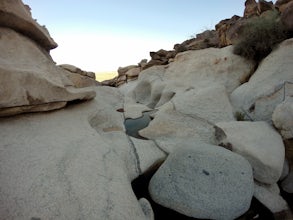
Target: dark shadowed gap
x=288, y=197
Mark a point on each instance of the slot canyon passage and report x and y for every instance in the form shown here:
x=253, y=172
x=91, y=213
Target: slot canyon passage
x=198, y=132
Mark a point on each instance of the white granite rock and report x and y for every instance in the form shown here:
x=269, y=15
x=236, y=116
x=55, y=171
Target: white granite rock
x=269, y=85
x=75, y=163
x=260, y=144
x=210, y=103
x=169, y=123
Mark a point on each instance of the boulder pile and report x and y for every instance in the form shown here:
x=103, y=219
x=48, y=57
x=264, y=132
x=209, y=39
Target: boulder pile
x=200, y=101
x=214, y=128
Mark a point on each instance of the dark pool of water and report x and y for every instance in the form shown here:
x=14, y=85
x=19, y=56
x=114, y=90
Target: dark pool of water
x=132, y=126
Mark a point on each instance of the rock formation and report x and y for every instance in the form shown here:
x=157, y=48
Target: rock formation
x=30, y=80
x=78, y=77
x=185, y=105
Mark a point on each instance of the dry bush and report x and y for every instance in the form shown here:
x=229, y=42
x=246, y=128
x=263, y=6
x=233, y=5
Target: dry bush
x=259, y=36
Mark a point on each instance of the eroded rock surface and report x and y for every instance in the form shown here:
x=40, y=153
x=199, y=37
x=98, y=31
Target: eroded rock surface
x=17, y=16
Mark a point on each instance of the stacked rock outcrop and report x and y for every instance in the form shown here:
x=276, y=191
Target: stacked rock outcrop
x=78, y=77
x=30, y=80
x=126, y=74
x=197, y=98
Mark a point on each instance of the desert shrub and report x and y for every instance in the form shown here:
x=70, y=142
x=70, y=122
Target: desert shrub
x=259, y=36
x=239, y=116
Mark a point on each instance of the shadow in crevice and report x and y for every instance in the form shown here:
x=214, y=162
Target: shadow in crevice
x=140, y=188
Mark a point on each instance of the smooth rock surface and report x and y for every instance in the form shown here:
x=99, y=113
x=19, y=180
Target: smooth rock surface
x=269, y=86
x=75, y=163
x=194, y=183
x=195, y=68
x=210, y=103
x=195, y=112
x=260, y=144
x=283, y=118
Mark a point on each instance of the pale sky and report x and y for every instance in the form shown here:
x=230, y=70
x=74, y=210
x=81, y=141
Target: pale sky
x=101, y=35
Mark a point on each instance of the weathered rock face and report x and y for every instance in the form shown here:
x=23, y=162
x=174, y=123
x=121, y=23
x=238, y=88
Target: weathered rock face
x=191, y=181
x=287, y=16
x=76, y=163
x=263, y=6
x=250, y=9
x=269, y=86
x=282, y=4
x=260, y=144
x=228, y=30
x=201, y=41
x=126, y=74
x=15, y=15
x=161, y=57
x=30, y=80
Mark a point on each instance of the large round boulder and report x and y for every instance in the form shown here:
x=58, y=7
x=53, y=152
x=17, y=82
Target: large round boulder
x=204, y=181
